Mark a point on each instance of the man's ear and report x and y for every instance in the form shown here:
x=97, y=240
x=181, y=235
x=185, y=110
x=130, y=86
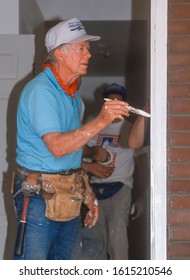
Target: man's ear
x=59, y=54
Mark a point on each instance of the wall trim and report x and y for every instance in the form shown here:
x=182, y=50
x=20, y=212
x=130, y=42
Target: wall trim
x=158, y=87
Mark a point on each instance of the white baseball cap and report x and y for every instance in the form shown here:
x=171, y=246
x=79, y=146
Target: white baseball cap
x=68, y=31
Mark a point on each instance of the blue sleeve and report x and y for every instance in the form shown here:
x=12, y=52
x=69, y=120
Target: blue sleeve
x=43, y=111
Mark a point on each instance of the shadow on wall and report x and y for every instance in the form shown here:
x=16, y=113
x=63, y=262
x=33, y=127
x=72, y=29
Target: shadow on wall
x=136, y=66
x=139, y=229
x=11, y=141
x=11, y=160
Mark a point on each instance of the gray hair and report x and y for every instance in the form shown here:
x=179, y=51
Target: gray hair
x=51, y=58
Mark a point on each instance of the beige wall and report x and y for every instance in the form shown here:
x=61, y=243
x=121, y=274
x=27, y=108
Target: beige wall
x=9, y=17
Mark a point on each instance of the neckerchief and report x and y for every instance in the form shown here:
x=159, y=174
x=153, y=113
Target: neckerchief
x=71, y=89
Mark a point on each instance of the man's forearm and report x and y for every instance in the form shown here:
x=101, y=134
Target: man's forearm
x=61, y=144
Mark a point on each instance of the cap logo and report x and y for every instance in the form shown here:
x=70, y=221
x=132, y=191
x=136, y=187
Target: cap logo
x=75, y=26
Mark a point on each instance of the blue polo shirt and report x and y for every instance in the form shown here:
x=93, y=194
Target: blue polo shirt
x=45, y=107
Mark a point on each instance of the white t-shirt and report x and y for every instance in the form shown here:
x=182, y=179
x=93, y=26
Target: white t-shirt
x=115, y=139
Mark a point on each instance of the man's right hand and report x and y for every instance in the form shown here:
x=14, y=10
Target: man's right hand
x=113, y=109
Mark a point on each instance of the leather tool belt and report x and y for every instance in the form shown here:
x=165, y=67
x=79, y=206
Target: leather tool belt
x=63, y=192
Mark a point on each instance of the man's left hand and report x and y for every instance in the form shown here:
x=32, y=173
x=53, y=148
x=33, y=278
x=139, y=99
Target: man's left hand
x=92, y=215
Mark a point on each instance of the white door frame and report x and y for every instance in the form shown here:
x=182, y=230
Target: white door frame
x=158, y=87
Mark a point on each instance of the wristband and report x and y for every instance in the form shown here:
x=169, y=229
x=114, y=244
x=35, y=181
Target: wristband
x=108, y=160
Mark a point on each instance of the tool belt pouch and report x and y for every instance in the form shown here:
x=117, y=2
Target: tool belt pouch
x=88, y=194
x=64, y=202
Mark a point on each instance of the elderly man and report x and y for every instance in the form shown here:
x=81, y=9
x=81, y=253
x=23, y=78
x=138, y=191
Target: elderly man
x=49, y=185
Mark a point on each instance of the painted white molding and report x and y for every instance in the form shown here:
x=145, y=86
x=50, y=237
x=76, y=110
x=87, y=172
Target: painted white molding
x=158, y=168
x=8, y=62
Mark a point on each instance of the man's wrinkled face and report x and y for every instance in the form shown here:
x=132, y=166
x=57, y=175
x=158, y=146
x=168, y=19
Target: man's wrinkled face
x=77, y=58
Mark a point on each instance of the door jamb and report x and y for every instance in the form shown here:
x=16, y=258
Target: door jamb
x=158, y=166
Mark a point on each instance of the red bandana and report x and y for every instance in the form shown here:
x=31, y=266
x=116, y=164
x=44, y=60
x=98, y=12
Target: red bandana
x=71, y=89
